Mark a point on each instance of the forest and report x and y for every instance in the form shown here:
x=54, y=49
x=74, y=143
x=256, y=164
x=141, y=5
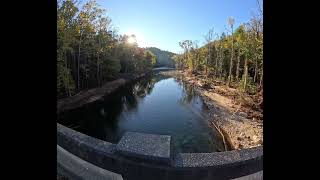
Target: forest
x=90, y=51
x=125, y=88
x=234, y=57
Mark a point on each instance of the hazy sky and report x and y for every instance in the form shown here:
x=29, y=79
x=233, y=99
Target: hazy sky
x=163, y=23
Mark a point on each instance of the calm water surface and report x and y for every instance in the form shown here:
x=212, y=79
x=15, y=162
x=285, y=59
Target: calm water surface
x=156, y=105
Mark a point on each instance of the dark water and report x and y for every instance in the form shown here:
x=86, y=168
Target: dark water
x=156, y=105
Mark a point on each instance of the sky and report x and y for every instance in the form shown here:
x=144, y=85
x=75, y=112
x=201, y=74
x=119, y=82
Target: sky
x=164, y=23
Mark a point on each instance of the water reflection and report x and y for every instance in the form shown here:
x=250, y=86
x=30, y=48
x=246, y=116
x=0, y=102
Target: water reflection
x=155, y=104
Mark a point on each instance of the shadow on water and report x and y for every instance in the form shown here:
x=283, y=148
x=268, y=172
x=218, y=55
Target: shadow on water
x=155, y=104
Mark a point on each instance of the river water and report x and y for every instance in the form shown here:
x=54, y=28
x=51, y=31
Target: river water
x=156, y=104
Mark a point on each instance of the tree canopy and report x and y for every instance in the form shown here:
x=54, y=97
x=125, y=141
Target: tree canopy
x=89, y=49
x=236, y=59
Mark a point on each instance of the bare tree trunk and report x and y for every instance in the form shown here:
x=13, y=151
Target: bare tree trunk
x=98, y=63
x=206, y=67
x=221, y=63
x=196, y=62
x=255, y=70
x=245, y=74
x=188, y=58
x=67, y=93
x=208, y=39
x=231, y=61
x=261, y=78
x=65, y=59
x=198, y=59
x=238, y=65
x=230, y=70
x=87, y=76
x=78, y=76
x=216, y=66
x=209, y=56
x=256, y=56
x=98, y=76
x=66, y=64
x=217, y=63
x=74, y=68
x=193, y=64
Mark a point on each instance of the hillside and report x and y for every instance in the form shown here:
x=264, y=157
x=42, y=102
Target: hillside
x=163, y=57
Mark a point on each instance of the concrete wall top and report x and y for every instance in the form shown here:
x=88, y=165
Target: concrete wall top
x=221, y=165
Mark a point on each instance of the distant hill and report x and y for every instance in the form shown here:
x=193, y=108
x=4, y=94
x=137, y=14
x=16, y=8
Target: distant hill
x=164, y=58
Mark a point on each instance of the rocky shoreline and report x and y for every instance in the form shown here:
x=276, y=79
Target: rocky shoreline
x=240, y=129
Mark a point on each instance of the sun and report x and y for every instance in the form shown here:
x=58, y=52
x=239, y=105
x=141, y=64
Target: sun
x=136, y=37
x=131, y=40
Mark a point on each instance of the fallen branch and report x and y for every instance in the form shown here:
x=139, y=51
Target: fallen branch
x=224, y=141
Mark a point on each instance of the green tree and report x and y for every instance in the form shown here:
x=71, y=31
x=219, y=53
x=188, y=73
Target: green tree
x=66, y=11
x=208, y=39
x=218, y=56
x=239, y=34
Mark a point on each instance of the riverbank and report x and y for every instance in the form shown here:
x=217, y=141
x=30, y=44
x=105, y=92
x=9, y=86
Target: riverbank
x=232, y=112
x=91, y=95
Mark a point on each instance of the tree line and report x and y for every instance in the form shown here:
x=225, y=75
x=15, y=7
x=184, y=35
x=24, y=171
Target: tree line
x=89, y=49
x=235, y=58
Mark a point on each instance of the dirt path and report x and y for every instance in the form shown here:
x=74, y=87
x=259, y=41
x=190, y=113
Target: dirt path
x=235, y=114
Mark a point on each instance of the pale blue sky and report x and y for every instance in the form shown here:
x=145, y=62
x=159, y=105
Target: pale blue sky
x=163, y=23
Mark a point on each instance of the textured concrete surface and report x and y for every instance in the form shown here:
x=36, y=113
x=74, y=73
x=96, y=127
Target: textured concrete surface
x=146, y=146
x=217, y=158
x=186, y=166
x=74, y=168
x=254, y=176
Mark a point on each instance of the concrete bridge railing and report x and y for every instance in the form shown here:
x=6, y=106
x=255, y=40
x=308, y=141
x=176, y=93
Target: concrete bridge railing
x=146, y=156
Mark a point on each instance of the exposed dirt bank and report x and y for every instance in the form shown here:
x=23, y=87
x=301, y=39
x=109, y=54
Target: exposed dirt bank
x=237, y=115
x=95, y=94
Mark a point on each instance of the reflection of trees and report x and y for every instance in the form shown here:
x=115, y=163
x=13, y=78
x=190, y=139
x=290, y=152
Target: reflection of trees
x=188, y=93
x=100, y=119
x=145, y=86
x=126, y=98
x=159, y=77
x=142, y=88
x=190, y=99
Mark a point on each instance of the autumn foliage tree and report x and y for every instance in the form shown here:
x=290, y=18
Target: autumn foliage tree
x=89, y=50
x=236, y=59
